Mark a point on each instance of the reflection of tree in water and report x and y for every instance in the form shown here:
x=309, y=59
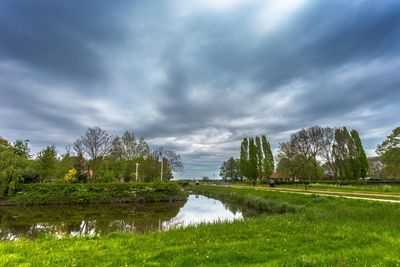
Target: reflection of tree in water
x=235, y=208
x=74, y=220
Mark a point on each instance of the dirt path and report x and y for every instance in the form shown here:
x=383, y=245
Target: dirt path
x=341, y=194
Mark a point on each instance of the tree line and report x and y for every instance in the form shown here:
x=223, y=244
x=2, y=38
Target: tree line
x=313, y=154
x=256, y=161
x=323, y=152
x=96, y=156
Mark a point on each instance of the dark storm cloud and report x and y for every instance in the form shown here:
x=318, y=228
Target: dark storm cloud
x=198, y=76
x=59, y=38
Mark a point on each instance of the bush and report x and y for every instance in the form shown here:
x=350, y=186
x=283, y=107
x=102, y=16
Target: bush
x=31, y=194
x=30, y=177
x=70, y=176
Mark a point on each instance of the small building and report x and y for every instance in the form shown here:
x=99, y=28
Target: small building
x=280, y=177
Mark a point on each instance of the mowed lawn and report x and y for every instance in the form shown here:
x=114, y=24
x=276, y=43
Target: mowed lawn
x=324, y=232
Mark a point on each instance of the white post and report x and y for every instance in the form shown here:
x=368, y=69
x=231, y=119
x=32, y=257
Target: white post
x=137, y=171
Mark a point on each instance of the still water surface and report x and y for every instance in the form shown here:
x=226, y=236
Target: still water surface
x=101, y=219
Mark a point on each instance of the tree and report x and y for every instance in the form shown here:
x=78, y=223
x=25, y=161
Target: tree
x=268, y=161
x=244, y=158
x=173, y=161
x=303, y=147
x=361, y=157
x=326, y=152
x=260, y=157
x=230, y=170
x=315, y=134
x=96, y=143
x=12, y=167
x=132, y=148
x=65, y=163
x=46, y=163
x=389, y=151
x=341, y=152
x=21, y=148
x=253, y=162
x=376, y=167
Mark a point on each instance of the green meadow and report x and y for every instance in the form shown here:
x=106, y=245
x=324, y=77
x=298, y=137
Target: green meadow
x=312, y=231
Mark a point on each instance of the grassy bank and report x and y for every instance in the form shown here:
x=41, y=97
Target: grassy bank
x=326, y=232
x=251, y=200
x=43, y=194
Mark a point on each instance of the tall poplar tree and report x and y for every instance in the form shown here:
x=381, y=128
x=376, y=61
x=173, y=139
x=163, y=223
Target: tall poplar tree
x=253, y=166
x=244, y=158
x=260, y=157
x=268, y=164
x=362, y=160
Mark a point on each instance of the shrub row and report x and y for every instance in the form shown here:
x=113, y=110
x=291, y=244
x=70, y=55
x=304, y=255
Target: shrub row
x=41, y=194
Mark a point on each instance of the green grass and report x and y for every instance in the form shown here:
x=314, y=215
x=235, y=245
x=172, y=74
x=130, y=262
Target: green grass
x=324, y=232
x=40, y=194
x=379, y=189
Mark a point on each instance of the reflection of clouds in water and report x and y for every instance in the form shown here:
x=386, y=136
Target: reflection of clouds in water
x=201, y=209
x=89, y=220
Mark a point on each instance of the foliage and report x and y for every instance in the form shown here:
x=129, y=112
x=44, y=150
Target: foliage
x=12, y=166
x=205, y=179
x=268, y=160
x=256, y=159
x=389, y=151
x=96, y=144
x=376, y=167
x=70, y=176
x=342, y=153
x=360, y=156
x=46, y=163
x=21, y=148
x=230, y=170
x=66, y=193
x=244, y=158
x=253, y=162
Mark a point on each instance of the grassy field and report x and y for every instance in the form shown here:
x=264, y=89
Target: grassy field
x=379, y=189
x=323, y=231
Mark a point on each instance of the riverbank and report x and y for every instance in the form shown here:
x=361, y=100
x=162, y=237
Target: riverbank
x=91, y=193
x=325, y=232
x=244, y=198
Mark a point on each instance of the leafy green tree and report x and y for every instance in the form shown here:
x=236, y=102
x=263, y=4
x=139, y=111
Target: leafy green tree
x=260, y=157
x=361, y=156
x=21, y=148
x=253, y=162
x=268, y=161
x=46, y=163
x=343, y=153
x=230, y=170
x=65, y=163
x=244, y=158
x=389, y=151
x=12, y=166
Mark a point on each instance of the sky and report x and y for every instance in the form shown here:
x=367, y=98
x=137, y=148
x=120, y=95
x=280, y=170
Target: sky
x=197, y=76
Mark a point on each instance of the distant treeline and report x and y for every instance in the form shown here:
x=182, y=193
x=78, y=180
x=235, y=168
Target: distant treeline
x=314, y=154
x=94, y=157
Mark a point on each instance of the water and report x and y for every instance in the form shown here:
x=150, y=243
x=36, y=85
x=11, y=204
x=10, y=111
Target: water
x=101, y=219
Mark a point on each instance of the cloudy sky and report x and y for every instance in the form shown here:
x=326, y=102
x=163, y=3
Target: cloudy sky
x=197, y=76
